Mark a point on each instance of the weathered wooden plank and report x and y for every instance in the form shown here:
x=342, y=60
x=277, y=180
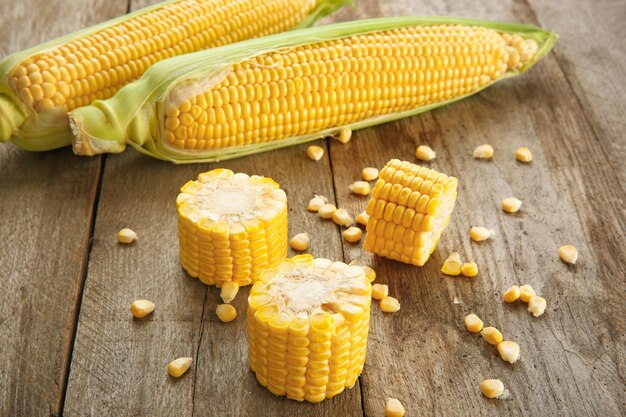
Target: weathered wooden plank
x=46, y=206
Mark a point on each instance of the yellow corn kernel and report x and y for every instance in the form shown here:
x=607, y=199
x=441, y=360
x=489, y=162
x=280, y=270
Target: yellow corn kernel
x=537, y=305
x=369, y=273
x=315, y=152
x=126, y=236
x=363, y=218
x=469, y=269
x=394, y=408
x=226, y=312
x=360, y=187
x=483, y=152
x=379, y=291
x=327, y=211
x=511, y=294
x=568, y=254
x=526, y=292
x=352, y=234
x=509, y=351
x=389, y=305
x=141, y=308
x=343, y=218
x=523, y=154
x=345, y=135
x=229, y=291
x=369, y=174
x=316, y=202
x=425, y=153
x=473, y=323
x=452, y=265
x=491, y=335
x=300, y=242
x=478, y=234
x=511, y=205
x=178, y=367
x=492, y=388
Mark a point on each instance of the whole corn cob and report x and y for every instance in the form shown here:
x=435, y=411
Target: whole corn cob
x=231, y=226
x=39, y=85
x=409, y=209
x=308, y=321
x=290, y=88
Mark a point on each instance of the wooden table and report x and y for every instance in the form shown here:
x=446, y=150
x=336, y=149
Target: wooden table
x=69, y=345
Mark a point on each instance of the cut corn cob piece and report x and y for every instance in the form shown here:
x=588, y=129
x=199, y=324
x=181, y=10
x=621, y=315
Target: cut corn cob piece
x=38, y=86
x=291, y=88
x=409, y=208
x=231, y=226
x=308, y=321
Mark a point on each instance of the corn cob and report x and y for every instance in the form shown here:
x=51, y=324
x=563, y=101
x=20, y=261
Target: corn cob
x=231, y=226
x=38, y=86
x=289, y=88
x=409, y=209
x=308, y=321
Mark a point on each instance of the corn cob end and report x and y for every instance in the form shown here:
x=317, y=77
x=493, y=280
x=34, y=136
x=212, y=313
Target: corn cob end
x=10, y=117
x=108, y=136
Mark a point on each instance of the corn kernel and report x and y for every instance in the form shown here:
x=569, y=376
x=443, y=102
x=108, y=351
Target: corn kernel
x=345, y=135
x=511, y=205
x=483, y=152
x=300, y=242
x=369, y=174
x=352, y=234
x=523, y=154
x=327, y=211
x=478, y=234
x=469, y=269
x=389, y=305
x=568, y=254
x=511, y=294
x=229, y=291
x=509, y=351
x=126, y=236
x=394, y=408
x=360, y=187
x=141, y=308
x=226, y=312
x=178, y=367
x=316, y=202
x=452, y=265
x=370, y=274
x=379, y=291
x=315, y=152
x=491, y=335
x=425, y=153
x=473, y=323
x=537, y=305
x=343, y=218
x=363, y=218
x=526, y=292
x=492, y=388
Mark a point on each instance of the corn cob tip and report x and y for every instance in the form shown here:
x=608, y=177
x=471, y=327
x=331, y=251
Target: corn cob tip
x=11, y=117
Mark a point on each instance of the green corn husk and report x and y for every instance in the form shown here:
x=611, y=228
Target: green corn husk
x=135, y=115
x=41, y=131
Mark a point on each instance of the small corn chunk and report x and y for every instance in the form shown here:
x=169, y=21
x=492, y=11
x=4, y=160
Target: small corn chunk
x=452, y=265
x=363, y=218
x=526, y=292
x=523, y=154
x=509, y=351
x=300, y=242
x=491, y=335
x=369, y=174
x=394, y=408
x=389, y=305
x=511, y=294
x=178, y=367
x=343, y=218
x=352, y=234
x=226, y=312
x=379, y=291
x=126, y=236
x=327, y=211
x=537, y=305
x=511, y=205
x=425, y=153
x=568, y=254
x=345, y=135
x=316, y=202
x=492, y=388
x=360, y=187
x=141, y=308
x=478, y=233
x=229, y=291
x=469, y=269
x=473, y=323
x=315, y=152
x=483, y=152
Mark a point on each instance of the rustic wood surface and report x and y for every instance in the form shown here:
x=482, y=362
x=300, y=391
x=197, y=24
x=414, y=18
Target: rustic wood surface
x=70, y=346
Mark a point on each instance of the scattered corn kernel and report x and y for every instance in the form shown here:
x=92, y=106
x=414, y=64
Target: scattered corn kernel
x=511, y=294
x=363, y=218
x=345, y=135
x=452, y=265
x=178, y=367
x=369, y=174
x=483, y=152
x=478, y=233
x=315, y=152
x=327, y=211
x=526, y=292
x=141, y=308
x=394, y=408
x=379, y=291
x=226, y=312
x=569, y=254
x=492, y=388
x=360, y=187
x=509, y=351
x=352, y=234
x=316, y=202
x=389, y=305
x=537, y=305
x=473, y=323
x=491, y=335
x=370, y=274
x=126, y=236
x=425, y=153
x=300, y=242
x=523, y=154
x=229, y=291
x=511, y=205
x=469, y=269
x=343, y=218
